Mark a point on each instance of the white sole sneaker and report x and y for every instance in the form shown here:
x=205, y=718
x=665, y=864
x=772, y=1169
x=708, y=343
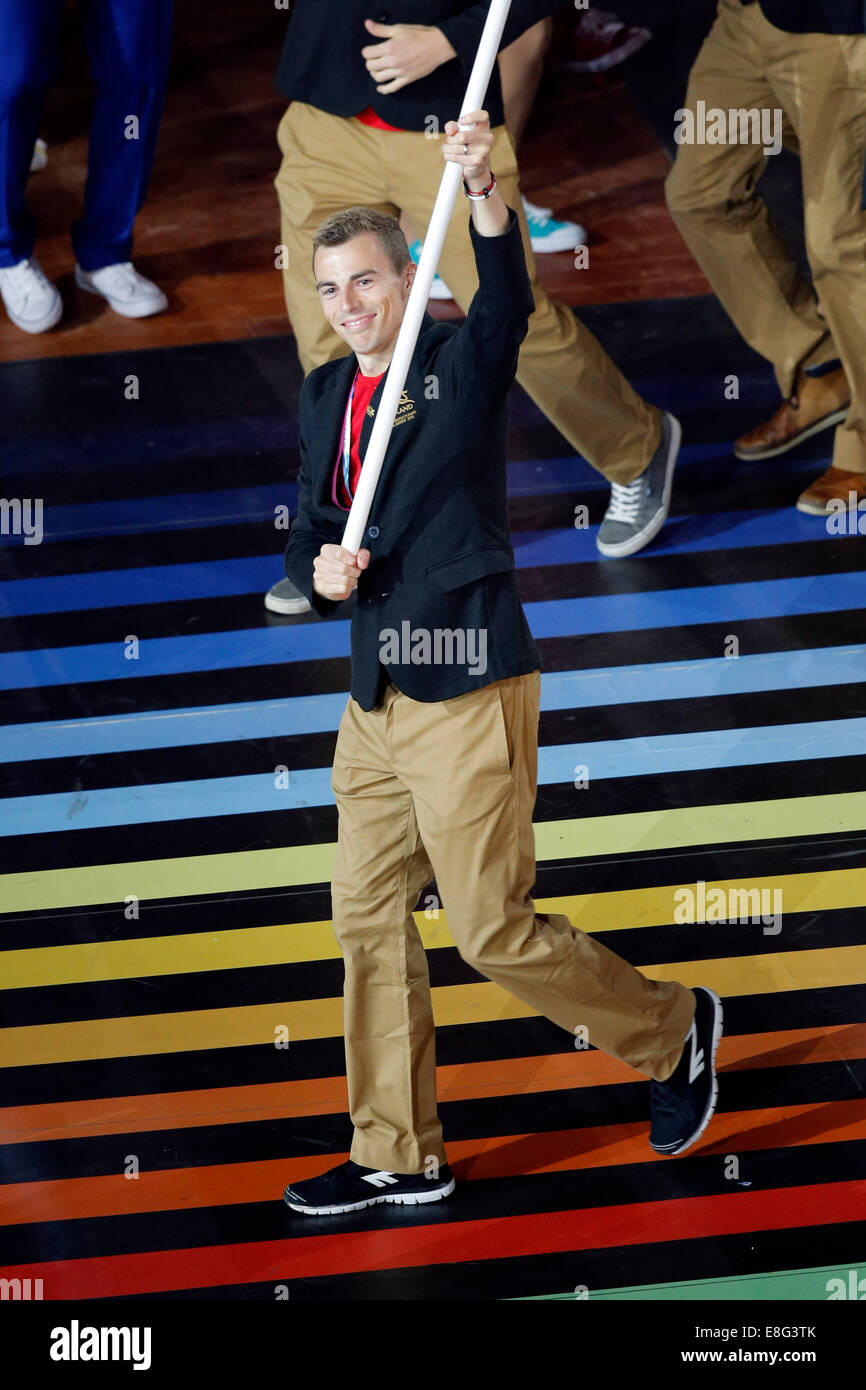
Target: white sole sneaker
x=836, y=417
x=565, y=240
x=406, y=1199
x=713, y=1099
x=48, y=320
x=655, y=524
x=141, y=310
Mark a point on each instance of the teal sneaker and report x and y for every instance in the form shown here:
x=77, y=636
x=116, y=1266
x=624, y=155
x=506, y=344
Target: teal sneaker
x=546, y=234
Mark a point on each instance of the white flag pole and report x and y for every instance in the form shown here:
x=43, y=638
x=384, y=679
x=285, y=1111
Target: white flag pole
x=415, y=307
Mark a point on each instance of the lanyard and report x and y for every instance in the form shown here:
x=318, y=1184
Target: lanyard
x=347, y=438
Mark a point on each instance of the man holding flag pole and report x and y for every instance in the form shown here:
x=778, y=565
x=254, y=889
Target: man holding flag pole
x=435, y=769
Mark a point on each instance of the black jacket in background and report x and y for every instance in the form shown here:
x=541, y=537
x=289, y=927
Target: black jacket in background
x=815, y=16
x=440, y=553
x=321, y=62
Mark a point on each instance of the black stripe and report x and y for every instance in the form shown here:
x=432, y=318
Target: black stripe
x=456, y=1044
x=496, y=1199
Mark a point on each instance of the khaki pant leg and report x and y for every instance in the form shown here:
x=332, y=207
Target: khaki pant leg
x=380, y=869
x=562, y=366
x=726, y=225
x=471, y=765
x=329, y=163
x=821, y=80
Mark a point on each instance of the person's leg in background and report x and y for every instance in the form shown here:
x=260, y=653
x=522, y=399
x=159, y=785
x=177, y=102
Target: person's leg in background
x=521, y=66
x=821, y=81
x=28, y=67
x=129, y=45
x=309, y=191
x=728, y=229
x=561, y=365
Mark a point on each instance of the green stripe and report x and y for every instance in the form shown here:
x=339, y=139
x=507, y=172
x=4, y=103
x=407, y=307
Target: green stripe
x=781, y=1285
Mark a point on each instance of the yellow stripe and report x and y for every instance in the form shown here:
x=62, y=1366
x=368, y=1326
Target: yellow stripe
x=321, y=1018
x=289, y=943
x=246, y=871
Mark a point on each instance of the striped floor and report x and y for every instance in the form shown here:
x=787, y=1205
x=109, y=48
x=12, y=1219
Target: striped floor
x=164, y=907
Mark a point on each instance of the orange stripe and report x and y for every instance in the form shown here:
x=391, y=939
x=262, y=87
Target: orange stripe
x=466, y=1081
x=499, y=1156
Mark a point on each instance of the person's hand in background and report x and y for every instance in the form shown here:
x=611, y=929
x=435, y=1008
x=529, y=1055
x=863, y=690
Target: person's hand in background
x=407, y=53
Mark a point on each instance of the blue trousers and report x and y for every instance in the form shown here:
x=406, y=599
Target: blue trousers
x=129, y=45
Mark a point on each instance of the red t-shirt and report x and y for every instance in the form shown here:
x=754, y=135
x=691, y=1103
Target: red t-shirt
x=368, y=117
x=364, y=388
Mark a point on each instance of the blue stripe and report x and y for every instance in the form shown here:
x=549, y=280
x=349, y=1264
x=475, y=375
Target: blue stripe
x=312, y=714
x=219, y=651
x=254, y=574
x=637, y=757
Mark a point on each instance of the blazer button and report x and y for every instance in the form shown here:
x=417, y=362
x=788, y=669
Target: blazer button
x=373, y=531
x=383, y=17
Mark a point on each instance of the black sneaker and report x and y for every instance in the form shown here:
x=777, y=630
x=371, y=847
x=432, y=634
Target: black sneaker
x=351, y=1187
x=681, y=1106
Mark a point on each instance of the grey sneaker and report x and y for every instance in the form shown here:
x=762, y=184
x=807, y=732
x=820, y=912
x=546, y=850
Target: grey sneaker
x=285, y=598
x=638, y=509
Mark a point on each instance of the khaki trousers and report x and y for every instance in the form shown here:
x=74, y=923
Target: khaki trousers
x=448, y=788
x=819, y=82
x=331, y=162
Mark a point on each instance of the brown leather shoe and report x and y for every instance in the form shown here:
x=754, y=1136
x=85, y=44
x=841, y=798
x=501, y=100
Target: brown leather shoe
x=836, y=484
x=818, y=403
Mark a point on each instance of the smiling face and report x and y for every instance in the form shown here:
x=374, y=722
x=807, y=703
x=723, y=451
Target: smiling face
x=363, y=297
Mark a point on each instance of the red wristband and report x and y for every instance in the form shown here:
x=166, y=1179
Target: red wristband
x=482, y=192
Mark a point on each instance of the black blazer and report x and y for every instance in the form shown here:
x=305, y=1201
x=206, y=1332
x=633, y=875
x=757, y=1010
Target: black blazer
x=441, y=559
x=815, y=16
x=321, y=62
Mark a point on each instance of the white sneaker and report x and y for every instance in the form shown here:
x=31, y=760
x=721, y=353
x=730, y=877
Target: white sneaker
x=32, y=302
x=127, y=292
x=39, y=158
x=285, y=597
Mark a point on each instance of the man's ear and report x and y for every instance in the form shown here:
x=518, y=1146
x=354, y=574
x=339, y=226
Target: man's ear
x=410, y=272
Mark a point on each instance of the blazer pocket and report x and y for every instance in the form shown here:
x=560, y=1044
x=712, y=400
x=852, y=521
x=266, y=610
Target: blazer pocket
x=475, y=564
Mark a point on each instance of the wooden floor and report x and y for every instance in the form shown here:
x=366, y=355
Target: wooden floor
x=208, y=230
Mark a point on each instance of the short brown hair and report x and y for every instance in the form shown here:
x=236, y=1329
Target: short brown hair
x=341, y=227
